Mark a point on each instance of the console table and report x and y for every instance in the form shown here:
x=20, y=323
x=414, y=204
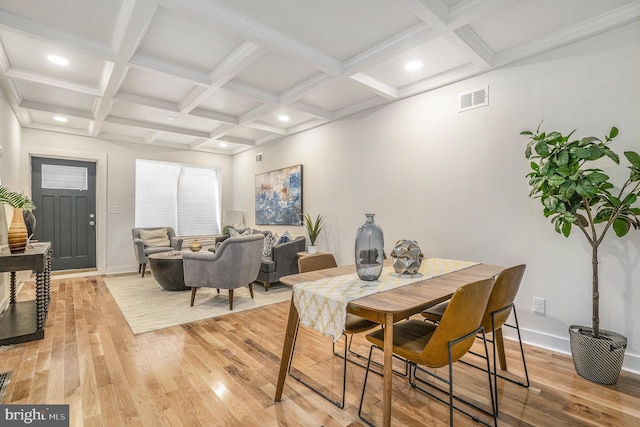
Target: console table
x=24, y=321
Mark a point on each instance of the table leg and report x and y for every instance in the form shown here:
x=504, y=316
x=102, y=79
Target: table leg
x=40, y=302
x=12, y=295
x=286, y=349
x=500, y=347
x=387, y=371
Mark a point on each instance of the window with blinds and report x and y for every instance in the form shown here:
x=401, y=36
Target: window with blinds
x=174, y=195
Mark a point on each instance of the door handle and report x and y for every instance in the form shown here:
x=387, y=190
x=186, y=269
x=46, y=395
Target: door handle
x=92, y=223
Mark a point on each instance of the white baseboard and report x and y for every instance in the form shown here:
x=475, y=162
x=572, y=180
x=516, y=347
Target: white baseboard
x=123, y=269
x=561, y=345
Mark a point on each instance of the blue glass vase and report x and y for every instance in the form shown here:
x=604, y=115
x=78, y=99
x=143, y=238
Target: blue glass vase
x=369, y=250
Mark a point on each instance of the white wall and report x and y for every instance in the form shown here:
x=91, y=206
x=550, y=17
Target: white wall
x=116, y=184
x=10, y=178
x=455, y=182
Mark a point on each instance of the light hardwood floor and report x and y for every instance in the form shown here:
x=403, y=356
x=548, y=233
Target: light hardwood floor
x=222, y=372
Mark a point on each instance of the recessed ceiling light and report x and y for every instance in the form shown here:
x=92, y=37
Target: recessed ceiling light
x=413, y=65
x=283, y=118
x=60, y=119
x=223, y=144
x=58, y=60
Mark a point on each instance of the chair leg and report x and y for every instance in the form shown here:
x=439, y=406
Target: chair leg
x=230, y=299
x=360, y=356
x=300, y=380
x=413, y=381
x=266, y=286
x=144, y=267
x=218, y=289
x=251, y=289
x=364, y=386
x=193, y=294
x=139, y=268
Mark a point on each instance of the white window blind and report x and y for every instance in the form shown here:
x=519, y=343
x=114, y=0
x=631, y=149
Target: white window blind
x=64, y=177
x=183, y=197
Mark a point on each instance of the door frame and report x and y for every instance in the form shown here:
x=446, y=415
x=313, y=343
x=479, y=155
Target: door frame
x=101, y=190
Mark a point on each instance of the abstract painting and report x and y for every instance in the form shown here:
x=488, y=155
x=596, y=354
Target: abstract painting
x=279, y=197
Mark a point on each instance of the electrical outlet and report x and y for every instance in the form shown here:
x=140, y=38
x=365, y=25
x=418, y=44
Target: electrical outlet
x=538, y=305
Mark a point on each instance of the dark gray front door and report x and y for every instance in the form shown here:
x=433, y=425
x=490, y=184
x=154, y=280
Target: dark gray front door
x=64, y=192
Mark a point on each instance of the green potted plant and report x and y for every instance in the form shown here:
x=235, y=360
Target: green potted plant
x=313, y=227
x=574, y=192
x=20, y=202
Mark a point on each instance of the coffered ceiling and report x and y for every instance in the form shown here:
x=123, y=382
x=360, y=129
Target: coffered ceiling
x=220, y=75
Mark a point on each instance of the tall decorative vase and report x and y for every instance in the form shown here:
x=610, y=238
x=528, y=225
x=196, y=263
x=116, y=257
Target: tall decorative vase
x=17, y=235
x=369, y=250
x=29, y=222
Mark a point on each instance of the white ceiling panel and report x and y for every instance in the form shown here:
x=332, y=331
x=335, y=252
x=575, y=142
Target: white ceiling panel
x=336, y=96
x=174, y=38
x=156, y=86
x=92, y=19
x=274, y=74
x=225, y=102
x=338, y=28
x=34, y=63
x=54, y=96
x=527, y=20
x=224, y=70
x=435, y=56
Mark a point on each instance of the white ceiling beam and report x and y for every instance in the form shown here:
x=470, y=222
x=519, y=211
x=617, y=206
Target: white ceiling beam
x=238, y=61
x=414, y=36
x=251, y=30
x=156, y=127
x=253, y=114
x=57, y=109
x=323, y=115
x=135, y=21
x=468, y=42
x=375, y=86
x=310, y=124
x=571, y=34
x=145, y=101
x=150, y=137
x=220, y=131
x=154, y=65
x=297, y=92
x=359, y=106
x=33, y=77
x=58, y=129
x=266, y=128
x=260, y=95
x=439, y=80
x=219, y=117
x=236, y=140
x=470, y=11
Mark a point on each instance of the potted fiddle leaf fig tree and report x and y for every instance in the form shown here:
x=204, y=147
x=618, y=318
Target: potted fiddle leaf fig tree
x=576, y=193
x=313, y=227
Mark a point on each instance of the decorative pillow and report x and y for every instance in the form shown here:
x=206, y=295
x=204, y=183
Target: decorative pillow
x=284, y=238
x=155, y=238
x=269, y=242
x=235, y=233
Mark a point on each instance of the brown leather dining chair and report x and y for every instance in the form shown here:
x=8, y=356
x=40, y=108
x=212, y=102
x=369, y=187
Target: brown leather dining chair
x=496, y=314
x=354, y=324
x=423, y=343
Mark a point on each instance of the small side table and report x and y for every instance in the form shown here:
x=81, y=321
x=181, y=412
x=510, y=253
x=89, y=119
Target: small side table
x=24, y=321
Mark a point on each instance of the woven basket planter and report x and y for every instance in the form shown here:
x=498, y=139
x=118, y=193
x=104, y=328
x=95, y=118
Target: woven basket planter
x=597, y=359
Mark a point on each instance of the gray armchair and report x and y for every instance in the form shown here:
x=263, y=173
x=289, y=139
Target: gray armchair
x=235, y=263
x=153, y=240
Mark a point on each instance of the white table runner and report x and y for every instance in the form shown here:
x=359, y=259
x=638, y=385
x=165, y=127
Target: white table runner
x=322, y=304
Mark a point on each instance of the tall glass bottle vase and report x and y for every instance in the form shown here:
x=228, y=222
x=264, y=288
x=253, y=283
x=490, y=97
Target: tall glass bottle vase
x=369, y=250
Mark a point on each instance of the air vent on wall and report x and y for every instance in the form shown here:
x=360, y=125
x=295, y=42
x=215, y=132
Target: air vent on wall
x=473, y=99
x=258, y=157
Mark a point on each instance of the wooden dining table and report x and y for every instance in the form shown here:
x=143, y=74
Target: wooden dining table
x=386, y=308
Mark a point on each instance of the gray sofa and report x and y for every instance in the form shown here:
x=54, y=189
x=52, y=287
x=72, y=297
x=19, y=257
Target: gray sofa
x=282, y=262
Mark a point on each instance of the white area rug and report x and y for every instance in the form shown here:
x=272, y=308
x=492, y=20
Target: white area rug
x=147, y=307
